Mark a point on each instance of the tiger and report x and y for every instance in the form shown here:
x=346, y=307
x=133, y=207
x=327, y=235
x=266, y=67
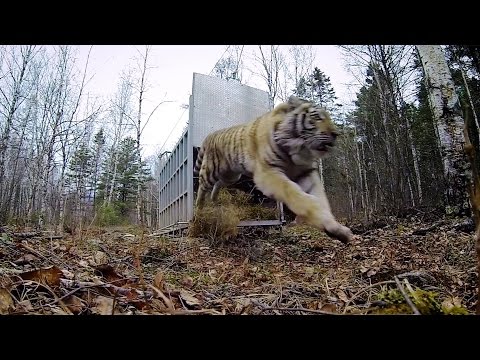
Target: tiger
x=280, y=151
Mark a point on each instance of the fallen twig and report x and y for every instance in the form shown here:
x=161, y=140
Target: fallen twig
x=420, y=274
x=423, y=231
x=57, y=299
x=84, y=285
x=27, y=234
x=166, y=300
x=407, y=298
x=271, y=308
x=364, y=289
x=52, y=237
x=33, y=251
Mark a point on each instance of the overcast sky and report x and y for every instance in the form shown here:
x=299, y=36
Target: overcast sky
x=171, y=78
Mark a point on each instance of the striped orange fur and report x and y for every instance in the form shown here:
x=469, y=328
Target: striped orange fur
x=280, y=151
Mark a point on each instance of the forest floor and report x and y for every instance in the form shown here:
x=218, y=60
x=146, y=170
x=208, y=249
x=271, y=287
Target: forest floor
x=294, y=270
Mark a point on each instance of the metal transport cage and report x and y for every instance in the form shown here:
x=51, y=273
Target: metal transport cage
x=214, y=104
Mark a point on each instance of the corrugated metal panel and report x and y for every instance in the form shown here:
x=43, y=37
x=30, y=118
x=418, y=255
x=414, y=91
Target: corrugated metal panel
x=214, y=104
x=173, y=189
x=218, y=104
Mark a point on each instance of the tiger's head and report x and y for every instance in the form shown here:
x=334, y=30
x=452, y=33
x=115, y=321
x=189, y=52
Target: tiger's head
x=307, y=129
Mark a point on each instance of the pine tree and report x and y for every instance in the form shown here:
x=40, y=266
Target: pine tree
x=316, y=87
x=98, y=156
x=128, y=178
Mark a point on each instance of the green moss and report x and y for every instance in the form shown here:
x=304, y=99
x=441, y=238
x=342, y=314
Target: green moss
x=456, y=310
x=427, y=303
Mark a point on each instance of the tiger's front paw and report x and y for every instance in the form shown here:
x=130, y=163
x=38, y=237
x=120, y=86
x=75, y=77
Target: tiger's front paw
x=340, y=232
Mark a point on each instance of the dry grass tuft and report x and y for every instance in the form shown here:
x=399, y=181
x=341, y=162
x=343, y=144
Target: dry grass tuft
x=218, y=222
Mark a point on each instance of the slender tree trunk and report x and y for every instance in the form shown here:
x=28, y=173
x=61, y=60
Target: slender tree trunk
x=415, y=161
x=474, y=193
x=139, y=133
x=365, y=182
x=474, y=113
x=349, y=186
x=449, y=122
x=12, y=108
x=359, y=167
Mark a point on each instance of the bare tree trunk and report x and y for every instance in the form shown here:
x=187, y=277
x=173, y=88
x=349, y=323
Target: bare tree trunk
x=365, y=182
x=449, y=122
x=359, y=167
x=349, y=185
x=474, y=193
x=474, y=113
x=139, y=133
x=142, y=88
x=271, y=63
x=120, y=111
x=415, y=162
x=17, y=69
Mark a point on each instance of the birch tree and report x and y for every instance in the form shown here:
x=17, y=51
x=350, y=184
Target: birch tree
x=302, y=62
x=120, y=112
x=14, y=88
x=230, y=67
x=141, y=87
x=270, y=60
x=449, y=122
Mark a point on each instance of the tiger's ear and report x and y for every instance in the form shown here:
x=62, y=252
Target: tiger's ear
x=294, y=102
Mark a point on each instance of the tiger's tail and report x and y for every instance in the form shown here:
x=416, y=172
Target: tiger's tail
x=198, y=163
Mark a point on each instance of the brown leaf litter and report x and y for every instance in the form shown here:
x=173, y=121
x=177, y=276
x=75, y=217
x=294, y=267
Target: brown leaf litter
x=295, y=270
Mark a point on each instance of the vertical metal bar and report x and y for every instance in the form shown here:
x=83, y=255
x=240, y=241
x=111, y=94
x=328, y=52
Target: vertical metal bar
x=188, y=134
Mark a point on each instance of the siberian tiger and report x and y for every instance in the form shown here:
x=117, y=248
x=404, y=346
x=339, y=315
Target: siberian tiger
x=280, y=151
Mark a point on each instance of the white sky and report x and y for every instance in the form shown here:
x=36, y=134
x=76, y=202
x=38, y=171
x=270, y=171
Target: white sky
x=172, y=74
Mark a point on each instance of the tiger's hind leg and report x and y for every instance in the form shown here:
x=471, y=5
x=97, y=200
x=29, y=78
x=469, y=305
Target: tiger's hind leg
x=204, y=188
x=225, y=181
x=216, y=190
x=201, y=196
x=312, y=208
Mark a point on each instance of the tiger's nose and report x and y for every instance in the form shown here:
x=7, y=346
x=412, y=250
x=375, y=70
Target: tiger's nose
x=334, y=134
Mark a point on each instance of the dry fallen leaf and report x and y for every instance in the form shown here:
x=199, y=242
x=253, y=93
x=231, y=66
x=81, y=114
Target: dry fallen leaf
x=189, y=298
x=103, y=306
x=371, y=272
x=212, y=273
x=25, y=259
x=158, y=281
x=187, y=281
x=100, y=258
x=84, y=264
x=24, y=305
x=67, y=274
x=329, y=307
x=74, y=303
x=6, y=302
x=57, y=310
x=242, y=304
x=49, y=276
x=309, y=271
x=342, y=296
x=109, y=273
x=451, y=302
